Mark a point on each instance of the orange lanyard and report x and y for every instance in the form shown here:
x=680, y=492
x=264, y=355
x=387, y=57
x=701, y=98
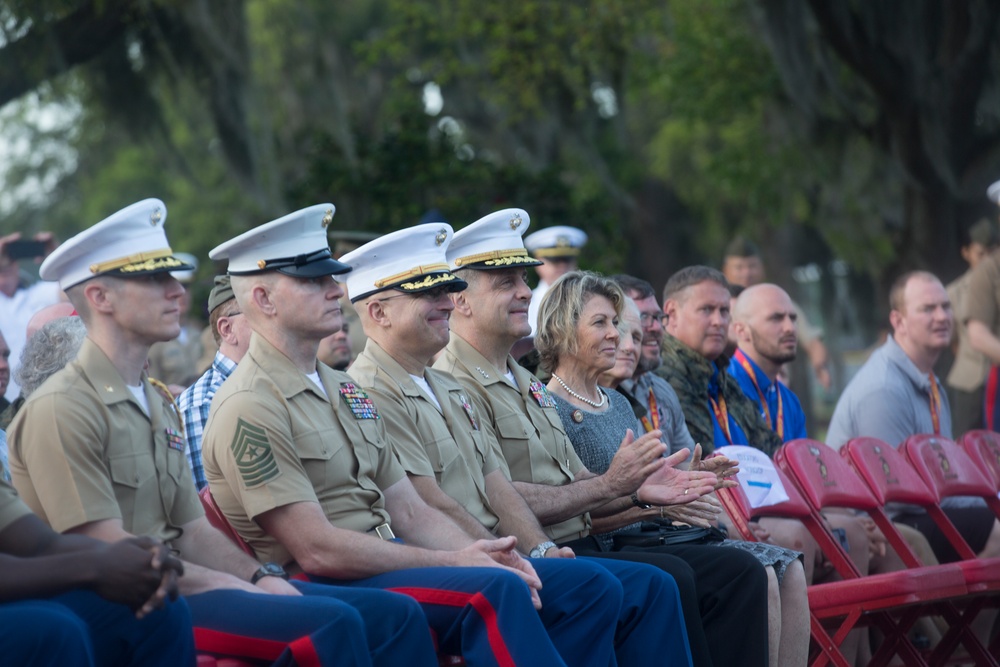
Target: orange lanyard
x=935, y=405
x=778, y=427
x=721, y=415
x=654, y=414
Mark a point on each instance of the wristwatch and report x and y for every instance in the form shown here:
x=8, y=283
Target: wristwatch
x=269, y=570
x=539, y=551
x=638, y=503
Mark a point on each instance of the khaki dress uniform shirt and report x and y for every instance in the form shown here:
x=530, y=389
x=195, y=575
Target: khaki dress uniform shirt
x=523, y=420
x=82, y=449
x=982, y=299
x=446, y=444
x=11, y=507
x=273, y=439
x=970, y=369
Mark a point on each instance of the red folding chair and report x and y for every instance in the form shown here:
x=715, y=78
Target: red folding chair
x=892, y=479
x=738, y=507
x=893, y=600
x=947, y=469
x=983, y=447
x=219, y=520
x=846, y=604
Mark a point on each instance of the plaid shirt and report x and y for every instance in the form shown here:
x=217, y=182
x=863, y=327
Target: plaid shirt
x=194, y=404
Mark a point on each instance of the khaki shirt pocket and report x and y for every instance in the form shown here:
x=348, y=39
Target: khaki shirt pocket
x=323, y=457
x=133, y=477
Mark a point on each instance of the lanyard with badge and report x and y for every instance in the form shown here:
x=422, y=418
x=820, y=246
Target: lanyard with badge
x=654, y=414
x=778, y=427
x=935, y=404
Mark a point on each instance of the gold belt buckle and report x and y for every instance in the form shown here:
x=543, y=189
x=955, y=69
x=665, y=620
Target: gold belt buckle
x=384, y=532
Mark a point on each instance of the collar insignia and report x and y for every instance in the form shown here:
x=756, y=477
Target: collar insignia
x=483, y=373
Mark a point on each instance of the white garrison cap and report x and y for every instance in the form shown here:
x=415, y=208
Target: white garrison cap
x=559, y=241
x=492, y=242
x=294, y=244
x=410, y=260
x=993, y=192
x=131, y=242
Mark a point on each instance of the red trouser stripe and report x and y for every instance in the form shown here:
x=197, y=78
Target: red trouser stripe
x=478, y=602
x=214, y=641
x=304, y=652
x=990, y=398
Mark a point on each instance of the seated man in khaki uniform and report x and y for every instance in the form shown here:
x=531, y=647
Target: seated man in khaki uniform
x=98, y=451
x=434, y=431
x=724, y=592
x=297, y=458
x=70, y=600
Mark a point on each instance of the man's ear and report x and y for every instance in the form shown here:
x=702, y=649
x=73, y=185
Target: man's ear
x=670, y=307
x=100, y=296
x=462, y=304
x=377, y=313
x=895, y=319
x=224, y=325
x=742, y=331
x=261, y=298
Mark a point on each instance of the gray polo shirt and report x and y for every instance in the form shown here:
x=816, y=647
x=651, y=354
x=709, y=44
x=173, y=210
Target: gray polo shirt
x=888, y=399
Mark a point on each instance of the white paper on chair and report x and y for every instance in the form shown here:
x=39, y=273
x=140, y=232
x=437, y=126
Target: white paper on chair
x=757, y=475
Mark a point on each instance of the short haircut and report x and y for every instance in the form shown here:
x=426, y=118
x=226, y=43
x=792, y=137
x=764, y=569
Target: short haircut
x=560, y=312
x=735, y=291
x=630, y=284
x=690, y=276
x=49, y=350
x=897, y=292
x=741, y=246
x=224, y=309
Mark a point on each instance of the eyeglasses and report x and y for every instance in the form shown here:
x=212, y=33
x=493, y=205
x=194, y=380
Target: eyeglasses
x=647, y=319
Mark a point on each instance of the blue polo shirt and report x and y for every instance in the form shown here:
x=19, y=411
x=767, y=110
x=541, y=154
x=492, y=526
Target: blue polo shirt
x=793, y=417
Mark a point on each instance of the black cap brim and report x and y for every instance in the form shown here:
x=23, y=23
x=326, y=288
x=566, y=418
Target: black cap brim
x=323, y=267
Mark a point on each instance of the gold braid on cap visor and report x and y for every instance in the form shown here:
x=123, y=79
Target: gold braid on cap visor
x=411, y=273
x=429, y=281
x=496, y=258
x=143, y=261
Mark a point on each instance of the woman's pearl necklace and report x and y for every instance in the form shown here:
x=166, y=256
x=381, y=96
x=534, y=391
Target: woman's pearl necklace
x=596, y=404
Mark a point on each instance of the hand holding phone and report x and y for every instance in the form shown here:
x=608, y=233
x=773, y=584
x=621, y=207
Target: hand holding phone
x=24, y=249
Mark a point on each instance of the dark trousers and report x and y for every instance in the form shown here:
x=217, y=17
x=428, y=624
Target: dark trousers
x=723, y=594
x=327, y=625
x=80, y=629
x=486, y=614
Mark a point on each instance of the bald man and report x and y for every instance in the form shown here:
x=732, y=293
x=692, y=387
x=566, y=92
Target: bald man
x=48, y=314
x=764, y=323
